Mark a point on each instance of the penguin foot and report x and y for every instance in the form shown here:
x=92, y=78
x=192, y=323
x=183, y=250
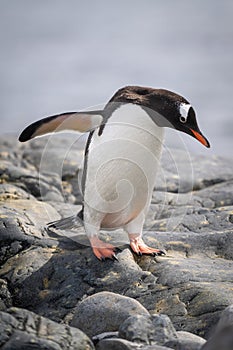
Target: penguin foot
x=139, y=247
x=102, y=250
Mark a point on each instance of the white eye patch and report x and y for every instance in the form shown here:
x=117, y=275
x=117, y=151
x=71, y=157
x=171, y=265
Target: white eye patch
x=184, y=110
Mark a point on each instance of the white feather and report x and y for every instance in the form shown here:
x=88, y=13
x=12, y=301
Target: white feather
x=121, y=168
x=184, y=109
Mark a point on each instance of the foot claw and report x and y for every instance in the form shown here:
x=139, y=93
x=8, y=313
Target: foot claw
x=115, y=257
x=102, y=250
x=161, y=252
x=140, y=248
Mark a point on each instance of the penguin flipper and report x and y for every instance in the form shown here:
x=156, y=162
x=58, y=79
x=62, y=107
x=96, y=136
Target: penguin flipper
x=78, y=121
x=66, y=223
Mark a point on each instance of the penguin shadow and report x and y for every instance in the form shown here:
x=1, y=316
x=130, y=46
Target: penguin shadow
x=77, y=240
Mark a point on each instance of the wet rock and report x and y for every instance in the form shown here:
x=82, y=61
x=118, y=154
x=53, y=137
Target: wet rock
x=143, y=329
x=21, y=329
x=108, y=310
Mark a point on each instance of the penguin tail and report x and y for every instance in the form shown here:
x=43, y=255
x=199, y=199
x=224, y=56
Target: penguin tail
x=73, y=221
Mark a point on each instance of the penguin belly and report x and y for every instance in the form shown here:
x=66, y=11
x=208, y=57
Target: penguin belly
x=121, y=168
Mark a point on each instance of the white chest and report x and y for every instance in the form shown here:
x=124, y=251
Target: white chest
x=122, y=162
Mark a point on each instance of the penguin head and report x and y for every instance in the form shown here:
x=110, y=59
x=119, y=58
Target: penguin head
x=166, y=108
x=184, y=119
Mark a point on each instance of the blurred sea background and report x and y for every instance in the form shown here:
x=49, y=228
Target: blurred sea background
x=59, y=55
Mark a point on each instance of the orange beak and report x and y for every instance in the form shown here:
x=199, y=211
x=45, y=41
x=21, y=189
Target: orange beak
x=200, y=138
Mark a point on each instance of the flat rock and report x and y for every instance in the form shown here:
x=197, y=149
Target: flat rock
x=109, y=310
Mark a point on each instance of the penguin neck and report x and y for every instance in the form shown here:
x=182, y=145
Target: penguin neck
x=134, y=116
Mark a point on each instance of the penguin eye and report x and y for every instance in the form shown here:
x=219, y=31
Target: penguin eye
x=183, y=119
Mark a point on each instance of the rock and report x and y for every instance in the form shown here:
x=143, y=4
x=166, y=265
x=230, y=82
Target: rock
x=61, y=157
x=186, y=340
x=221, y=340
x=51, y=273
x=200, y=286
x=122, y=344
x=31, y=181
x=106, y=335
x=182, y=172
x=26, y=330
x=226, y=318
x=45, y=276
x=109, y=310
x=144, y=329
x=22, y=225
x=5, y=296
x=11, y=192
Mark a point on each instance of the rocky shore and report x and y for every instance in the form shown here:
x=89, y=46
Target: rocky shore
x=54, y=294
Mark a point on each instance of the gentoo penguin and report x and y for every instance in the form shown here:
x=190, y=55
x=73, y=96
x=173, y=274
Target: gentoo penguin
x=121, y=159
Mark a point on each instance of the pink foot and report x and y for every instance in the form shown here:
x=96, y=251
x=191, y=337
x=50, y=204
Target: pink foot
x=102, y=250
x=139, y=247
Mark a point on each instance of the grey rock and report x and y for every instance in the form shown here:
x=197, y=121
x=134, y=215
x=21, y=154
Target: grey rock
x=65, y=209
x=21, y=329
x=183, y=172
x=221, y=340
x=22, y=225
x=108, y=310
x=154, y=329
x=31, y=181
x=226, y=318
x=61, y=157
x=5, y=296
x=186, y=340
x=11, y=192
x=222, y=337
x=192, y=280
x=50, y=273
x=20, y=340
x=106, y=335
x=45, y=278
x=47, y=275
x=122, y=344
